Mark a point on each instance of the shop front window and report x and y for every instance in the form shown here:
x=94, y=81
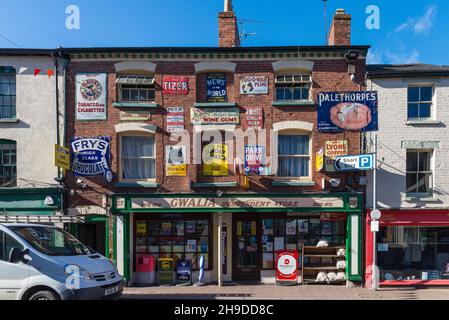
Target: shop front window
x=178, y=239
x=413, y=253
x=293, y=233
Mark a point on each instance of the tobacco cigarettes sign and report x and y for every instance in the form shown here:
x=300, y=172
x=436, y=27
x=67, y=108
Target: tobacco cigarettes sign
x=254, y=85
x=91, y=96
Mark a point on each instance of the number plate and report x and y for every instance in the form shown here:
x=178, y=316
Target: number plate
x=111, y=291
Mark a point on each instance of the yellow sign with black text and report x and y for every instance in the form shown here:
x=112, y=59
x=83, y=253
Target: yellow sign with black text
x=62, y=157
x=215, y=160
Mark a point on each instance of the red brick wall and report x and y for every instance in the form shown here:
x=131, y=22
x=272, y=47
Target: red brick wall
x=228, y=33
x=328, y=75
x=340, y=31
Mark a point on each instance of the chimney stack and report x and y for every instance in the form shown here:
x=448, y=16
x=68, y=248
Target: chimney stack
x=228, y=31
x=340, y=32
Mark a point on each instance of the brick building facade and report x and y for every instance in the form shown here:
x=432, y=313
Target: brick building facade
x=154, y=216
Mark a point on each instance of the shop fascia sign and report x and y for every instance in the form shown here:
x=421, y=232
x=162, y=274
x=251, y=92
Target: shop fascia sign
x=236, y=202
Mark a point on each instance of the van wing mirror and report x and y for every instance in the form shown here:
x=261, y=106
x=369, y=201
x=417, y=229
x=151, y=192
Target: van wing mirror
x=16, y=256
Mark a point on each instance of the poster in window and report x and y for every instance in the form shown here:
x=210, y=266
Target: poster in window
x=290, y=228
x=216, y=87
x=176, y=161
x=303, y=226
x=91, y=96
x=215, y=160
x=278, y=243
x=165, y=228
x=326, y=228
x=341, y=111
x=191, y=246
x=141, y=227
x=190, y=226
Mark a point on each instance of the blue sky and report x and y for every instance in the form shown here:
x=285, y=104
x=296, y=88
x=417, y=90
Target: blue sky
x=410, y=31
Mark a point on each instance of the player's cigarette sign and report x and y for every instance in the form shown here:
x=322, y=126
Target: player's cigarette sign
x=91, y=96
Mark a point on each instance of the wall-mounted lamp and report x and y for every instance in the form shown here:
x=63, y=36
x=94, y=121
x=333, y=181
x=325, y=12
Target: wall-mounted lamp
x=49, y=201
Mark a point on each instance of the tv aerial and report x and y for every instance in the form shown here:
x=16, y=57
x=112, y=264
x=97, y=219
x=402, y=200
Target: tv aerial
x=243, y=34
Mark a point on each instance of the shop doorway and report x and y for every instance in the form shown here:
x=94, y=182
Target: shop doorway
x=93, y=233
x=246, y=248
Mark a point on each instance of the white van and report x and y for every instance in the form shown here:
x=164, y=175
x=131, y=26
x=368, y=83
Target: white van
x=40, y=262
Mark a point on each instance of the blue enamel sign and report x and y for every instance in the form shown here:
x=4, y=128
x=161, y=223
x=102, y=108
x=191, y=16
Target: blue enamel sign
x=347, y=111
x=91, y=156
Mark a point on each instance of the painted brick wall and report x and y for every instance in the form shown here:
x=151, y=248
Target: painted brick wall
x=328, y=75
x=391, y=189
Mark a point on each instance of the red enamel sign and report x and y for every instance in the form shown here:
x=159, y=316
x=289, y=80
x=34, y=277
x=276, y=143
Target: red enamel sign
x=175, y=85
x=287, y=266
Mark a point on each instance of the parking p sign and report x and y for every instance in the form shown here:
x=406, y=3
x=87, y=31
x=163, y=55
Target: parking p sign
x=355, y=162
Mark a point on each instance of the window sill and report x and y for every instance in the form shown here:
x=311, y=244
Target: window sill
x=214, y=104
x=135, y=105
x=292, y=183
x=229, y=184
x=136, y=185
x=419, y=198
x=287, y=103
x=14, y=120
x=422, y=122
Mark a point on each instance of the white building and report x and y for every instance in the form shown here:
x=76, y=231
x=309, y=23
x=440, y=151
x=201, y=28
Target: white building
x=31, y=108
x=413, y=173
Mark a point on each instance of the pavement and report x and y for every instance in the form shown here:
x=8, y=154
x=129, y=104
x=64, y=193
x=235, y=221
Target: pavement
x=267, y=291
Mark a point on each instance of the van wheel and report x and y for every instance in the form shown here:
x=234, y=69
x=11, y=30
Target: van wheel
x=43, y=295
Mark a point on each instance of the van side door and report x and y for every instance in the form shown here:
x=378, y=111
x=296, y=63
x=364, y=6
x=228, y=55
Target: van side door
x=13, y=276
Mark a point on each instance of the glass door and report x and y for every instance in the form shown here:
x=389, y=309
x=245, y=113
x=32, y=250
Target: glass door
x=246, y=250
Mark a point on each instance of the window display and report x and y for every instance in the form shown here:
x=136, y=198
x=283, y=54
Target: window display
x=413, y=253
x=288, y=233
x=178, y=239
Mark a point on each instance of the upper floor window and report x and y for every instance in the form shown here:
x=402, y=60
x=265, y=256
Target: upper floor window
x=419, y=102
x=138, y=161
x=8, y=159
x=7, y=93
x=293, y=155
x=293, y=87
x=135, y=88
x=419, y=171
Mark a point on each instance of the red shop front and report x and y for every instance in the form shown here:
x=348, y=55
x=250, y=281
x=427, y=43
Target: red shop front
x=412, y=248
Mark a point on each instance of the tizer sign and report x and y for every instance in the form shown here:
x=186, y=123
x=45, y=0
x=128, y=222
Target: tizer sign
x=355, y=162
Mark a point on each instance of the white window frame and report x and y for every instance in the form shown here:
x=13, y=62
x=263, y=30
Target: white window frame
x=120, y=165
x=295, y=132
x=298, y=78
x=432, y=171
x=432, y=102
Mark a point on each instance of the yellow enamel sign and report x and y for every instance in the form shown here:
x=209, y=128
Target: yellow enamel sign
x=62, y=157
x=215, y=160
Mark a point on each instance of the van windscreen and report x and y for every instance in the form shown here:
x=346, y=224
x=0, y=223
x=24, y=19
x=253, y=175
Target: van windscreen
x=51, y=241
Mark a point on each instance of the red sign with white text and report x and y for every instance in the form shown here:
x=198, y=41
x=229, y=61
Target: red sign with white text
x=287, y=266
x=175, y=85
